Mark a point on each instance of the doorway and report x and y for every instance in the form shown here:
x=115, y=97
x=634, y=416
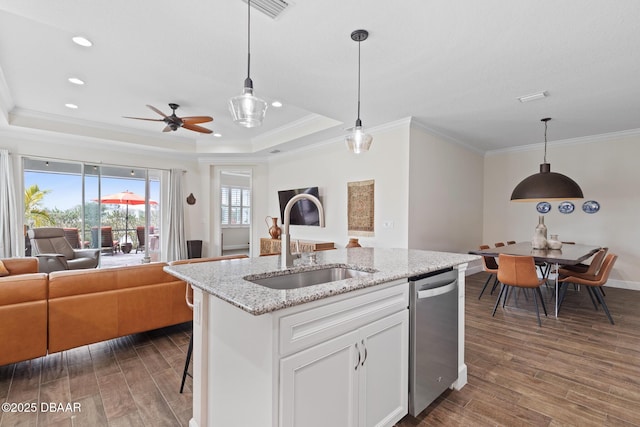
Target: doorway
x=235, y=212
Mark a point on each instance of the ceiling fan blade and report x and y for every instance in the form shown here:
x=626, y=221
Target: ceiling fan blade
x=157, y=111
x=192, y=120
x=196, y=128
x=140, y=118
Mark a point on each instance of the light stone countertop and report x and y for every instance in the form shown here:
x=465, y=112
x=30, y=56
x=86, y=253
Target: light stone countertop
x=225, y=279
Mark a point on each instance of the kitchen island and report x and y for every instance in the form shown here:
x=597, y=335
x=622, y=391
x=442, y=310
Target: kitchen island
x=330, y=353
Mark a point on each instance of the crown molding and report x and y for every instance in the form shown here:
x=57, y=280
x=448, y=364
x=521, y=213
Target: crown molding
x=415, y=122
x=631, y=133
x=6, y=101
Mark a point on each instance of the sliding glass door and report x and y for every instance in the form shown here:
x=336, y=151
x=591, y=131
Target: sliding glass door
x=112, y=208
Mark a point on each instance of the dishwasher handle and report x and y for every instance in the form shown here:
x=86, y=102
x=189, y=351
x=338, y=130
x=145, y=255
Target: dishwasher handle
x=427, y=293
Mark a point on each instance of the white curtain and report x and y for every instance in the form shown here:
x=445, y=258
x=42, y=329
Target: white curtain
x=11, y=228
x=177, y=243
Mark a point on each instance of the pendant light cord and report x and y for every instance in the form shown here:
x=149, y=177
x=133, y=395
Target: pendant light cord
x=248, y=38
x=545, y=141
x=359, y=81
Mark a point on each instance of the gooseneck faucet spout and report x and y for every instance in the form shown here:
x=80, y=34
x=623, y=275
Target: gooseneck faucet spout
x=287, y=256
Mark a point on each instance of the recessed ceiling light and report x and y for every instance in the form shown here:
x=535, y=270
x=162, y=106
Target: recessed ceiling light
x=217, y=135
x=533, y=96
x=82, y=41
x=76, y=81
x=72, y=106
x=276, y=104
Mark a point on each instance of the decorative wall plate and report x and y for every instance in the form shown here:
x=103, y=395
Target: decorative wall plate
x=566, y=207
x=543, y=207
x=591, y=206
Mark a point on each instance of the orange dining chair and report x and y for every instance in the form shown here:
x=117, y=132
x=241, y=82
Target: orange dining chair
x=511, y=242
x=593, y=284
x=489, y=265
x=590, y=269
x=519, y=272
x=499, y=245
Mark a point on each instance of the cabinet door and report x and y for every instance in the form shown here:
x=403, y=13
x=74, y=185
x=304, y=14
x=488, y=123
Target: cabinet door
x=384, y=371
x=319, y=386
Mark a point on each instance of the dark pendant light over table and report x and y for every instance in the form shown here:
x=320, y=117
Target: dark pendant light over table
x=546, y=185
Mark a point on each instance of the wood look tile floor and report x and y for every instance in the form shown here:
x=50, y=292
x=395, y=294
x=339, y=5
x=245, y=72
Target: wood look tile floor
x=576, y=370
x=129, y=381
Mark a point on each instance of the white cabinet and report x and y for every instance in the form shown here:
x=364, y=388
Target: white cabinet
x=356, y=379
x=297, y=366
x=384, y=375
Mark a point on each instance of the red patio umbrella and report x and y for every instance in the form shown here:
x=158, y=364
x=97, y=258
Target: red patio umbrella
x=125, y=198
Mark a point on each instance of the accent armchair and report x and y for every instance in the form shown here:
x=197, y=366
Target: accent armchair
x=54, y=252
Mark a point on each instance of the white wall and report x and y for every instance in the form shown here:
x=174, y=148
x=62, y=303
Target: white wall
x=330, y=167
x=445, y=194
x=606, y=169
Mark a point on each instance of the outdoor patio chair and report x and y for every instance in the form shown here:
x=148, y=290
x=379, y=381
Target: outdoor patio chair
x=73, y=237
x=140, y=235
x=108, y=244
x=55, y=253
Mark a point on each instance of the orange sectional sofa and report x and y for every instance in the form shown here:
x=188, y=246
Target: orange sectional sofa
x=23, y=311
x=87, y=306
x=42, y=313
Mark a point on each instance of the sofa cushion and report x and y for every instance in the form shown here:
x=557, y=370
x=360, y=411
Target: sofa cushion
x=23, y=317
x=3, y=269
x=79, y=282
x=21, y=265
x=87, y=306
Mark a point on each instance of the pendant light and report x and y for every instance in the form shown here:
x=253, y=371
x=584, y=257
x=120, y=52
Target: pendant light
x=546, y=185
x=358, y=141
x=247, y=110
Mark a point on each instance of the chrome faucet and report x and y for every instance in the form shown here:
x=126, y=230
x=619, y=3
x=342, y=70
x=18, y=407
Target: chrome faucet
x=287, y=256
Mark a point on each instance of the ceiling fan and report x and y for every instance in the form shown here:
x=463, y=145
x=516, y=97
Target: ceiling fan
x=174, y=122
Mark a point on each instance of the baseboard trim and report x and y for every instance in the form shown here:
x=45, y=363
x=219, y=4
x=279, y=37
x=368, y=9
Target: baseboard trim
x=623, y=284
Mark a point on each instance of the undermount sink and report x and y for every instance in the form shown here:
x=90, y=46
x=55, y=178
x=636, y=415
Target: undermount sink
x=303, y=279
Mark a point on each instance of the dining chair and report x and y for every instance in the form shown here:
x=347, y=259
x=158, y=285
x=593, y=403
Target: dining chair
x=189, y=300
x=499, y=245
x=590, y=269
x=594, y=284
x=489, y=265
x=511, y=242
x=519, y=272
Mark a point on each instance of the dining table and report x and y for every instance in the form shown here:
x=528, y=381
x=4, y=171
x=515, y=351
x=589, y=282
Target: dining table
x=569, y=254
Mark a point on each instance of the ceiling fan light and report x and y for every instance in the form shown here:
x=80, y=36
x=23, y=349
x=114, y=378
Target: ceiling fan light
x=358, y=141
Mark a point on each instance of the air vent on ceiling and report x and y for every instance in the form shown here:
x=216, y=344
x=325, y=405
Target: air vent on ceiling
x=271, y=8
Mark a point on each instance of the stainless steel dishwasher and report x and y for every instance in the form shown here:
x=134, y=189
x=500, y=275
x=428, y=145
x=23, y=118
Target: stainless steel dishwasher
x=433, y=344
